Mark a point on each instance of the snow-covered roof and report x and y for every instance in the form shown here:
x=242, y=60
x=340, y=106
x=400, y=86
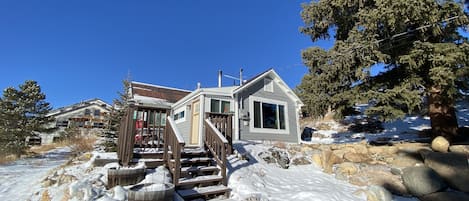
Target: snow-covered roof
x=82, y=104
x=150, y=102
x=220, y=91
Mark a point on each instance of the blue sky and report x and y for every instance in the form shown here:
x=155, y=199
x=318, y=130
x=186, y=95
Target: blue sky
x=79, y=50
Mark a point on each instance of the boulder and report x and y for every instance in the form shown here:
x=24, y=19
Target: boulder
x=382, y=150
x=461, y=149
x=355, y=157
x=300, y=161
x=405, y=161
x=328, y=160
x=316, y=157
x=376, y=175
x=420, y=181
x=267, y=157
x=440, y=144
x=344, y=170
x=378, y=193
x=281, y=156
x=446, y=196
x=452, y=167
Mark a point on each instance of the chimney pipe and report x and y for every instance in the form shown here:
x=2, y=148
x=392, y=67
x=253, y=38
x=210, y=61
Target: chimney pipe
x=198, y=85
x=219, y=78
x=241, y=77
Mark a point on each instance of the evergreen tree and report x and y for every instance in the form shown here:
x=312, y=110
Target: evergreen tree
x=22, y=112
x=418, y=43
x=120, y=105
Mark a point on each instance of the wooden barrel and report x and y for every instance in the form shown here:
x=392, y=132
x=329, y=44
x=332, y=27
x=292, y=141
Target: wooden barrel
x=124, y=177
x=151, y=192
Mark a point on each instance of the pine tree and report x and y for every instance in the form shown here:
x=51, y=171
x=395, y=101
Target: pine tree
x=120, y=105
x=418, y=43
x=22, y=112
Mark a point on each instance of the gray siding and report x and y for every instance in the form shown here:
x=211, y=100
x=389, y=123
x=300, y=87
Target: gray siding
x=257, y=90
x=184, y=127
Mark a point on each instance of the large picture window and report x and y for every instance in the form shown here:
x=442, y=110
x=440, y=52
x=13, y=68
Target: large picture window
x=268, y=115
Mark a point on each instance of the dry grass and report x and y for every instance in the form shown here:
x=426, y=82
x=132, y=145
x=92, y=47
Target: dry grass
x=45, y=196
x=83, y=144
x=7, y=158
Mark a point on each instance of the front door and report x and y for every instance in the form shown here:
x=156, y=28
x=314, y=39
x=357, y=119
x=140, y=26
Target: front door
x=195, y=123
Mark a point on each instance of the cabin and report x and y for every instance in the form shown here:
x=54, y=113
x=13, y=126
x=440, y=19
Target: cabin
x=200, y=127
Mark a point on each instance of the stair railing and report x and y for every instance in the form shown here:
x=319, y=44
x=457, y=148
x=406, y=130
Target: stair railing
x=173, y=146
x=217, y=144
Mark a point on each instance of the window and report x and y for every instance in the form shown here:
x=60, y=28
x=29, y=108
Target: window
x=268, y=85
x=87, y=112
x=97, y=112
x=219, y=106
x=63, y=123
x=179, y=115
x=268, y=115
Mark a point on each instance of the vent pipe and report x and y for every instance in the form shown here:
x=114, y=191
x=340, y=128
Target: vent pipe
x=198, y=85
x=241, y=77
x=219, y=78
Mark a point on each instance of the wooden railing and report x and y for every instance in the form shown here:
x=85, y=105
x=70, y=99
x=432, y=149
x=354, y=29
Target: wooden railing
x=126, y=139
x=223, y=122
x=173, y=145
x=217, y=144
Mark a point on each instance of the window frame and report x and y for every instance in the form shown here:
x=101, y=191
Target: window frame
x=220, y=105
x=278, y=103
x=178, y=113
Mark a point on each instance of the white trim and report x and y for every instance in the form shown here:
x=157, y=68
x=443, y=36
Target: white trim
x=268, y=130
x=201, y=118
x=178, y=111
x=297, y=116
x=236, y=117
x=278, y=80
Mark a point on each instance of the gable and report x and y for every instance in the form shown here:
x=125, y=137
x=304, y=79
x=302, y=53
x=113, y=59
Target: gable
x=268, y=80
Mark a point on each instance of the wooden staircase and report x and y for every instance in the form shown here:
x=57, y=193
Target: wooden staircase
x=199, y=176
x=198, y=173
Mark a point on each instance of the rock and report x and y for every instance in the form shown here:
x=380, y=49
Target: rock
x=452, y=167
x=64, y=179
x=382, y=150
x=281, y=156
x=445, y=196
x=267, y=157
x=422, y=180
x=316, y=157
x=461, y=149
x=440, y=144
x=378, y=193
x=355, y=157
x=405, y=161
x=396, y=171
x=344, y=170
x=328, y=160
x=379, y=176
x=300, y=161
x=360, y=148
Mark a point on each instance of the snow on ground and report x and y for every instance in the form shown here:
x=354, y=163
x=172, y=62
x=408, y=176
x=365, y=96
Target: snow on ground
x=257, y=180
x=18, y=180
x=406, y=129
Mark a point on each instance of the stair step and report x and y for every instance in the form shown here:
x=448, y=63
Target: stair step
x=149, y=155
x=200, y=180
x=194, y=160
x=149, y=163
x=203, y=191
x=185, y=170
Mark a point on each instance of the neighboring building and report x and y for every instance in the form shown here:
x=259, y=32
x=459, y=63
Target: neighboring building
x=88, y=115
x=264, y=108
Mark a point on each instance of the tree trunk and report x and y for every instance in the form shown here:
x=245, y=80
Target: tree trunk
x=442, y=115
